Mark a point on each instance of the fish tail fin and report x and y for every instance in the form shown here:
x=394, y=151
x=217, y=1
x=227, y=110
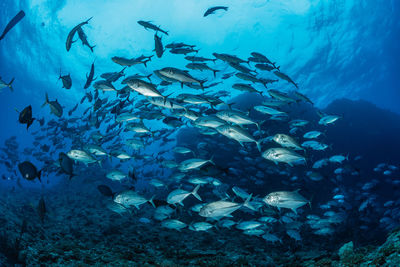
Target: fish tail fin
x=215, y=72
x=148, y=76
x=247, y=203
x=99, y=162
x=211, y=160
x=202, y=84
x=165, y=97
x=46, y=101
x=258, y=126
x=10, y=84
x=258, y=145
x=151, y=201
x=194, y=192
x=91, y=47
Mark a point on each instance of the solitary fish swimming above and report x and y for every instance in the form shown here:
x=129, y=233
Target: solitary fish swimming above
x=212, y=10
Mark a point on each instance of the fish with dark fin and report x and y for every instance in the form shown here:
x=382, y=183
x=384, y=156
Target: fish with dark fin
x=89, y=78
x=55, y=107
x=12, y=23
x=71, y=34
x=29, y=171
x=66, y=164
x=149, y=25
x=285, y=77
x=158, y=46
x=66, y=80
x=25, y=116
x=212, y=10
x=83, y=37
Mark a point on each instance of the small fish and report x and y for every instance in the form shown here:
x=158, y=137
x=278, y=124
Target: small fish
x=338, y=158
x=149, y=25
x=83, y=38
x=200, y=226
x=173, y=224
x=66, y=164
x=178, y=195
x=55, y=107
x=285, y=77
x=29, y=171
x=212, y=10
x=312, y=134
x=89, y=78
x=283, y=155
x=158, y=46
x=287, y=141
x=222, y=208
x=286, y=199
x=328, y=119
x=194, y=163
x=180, y=76
x=116, y=175
x=130, y=198
x=25, y=116
x=82, y=156
x=66, y=81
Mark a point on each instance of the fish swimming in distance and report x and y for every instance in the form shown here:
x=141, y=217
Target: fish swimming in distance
x=212, y=10
x=149, y=25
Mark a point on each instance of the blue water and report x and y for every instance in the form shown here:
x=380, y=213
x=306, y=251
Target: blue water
x=343, y=55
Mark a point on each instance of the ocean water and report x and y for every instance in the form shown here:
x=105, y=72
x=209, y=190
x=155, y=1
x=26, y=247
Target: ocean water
x=263, y=133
